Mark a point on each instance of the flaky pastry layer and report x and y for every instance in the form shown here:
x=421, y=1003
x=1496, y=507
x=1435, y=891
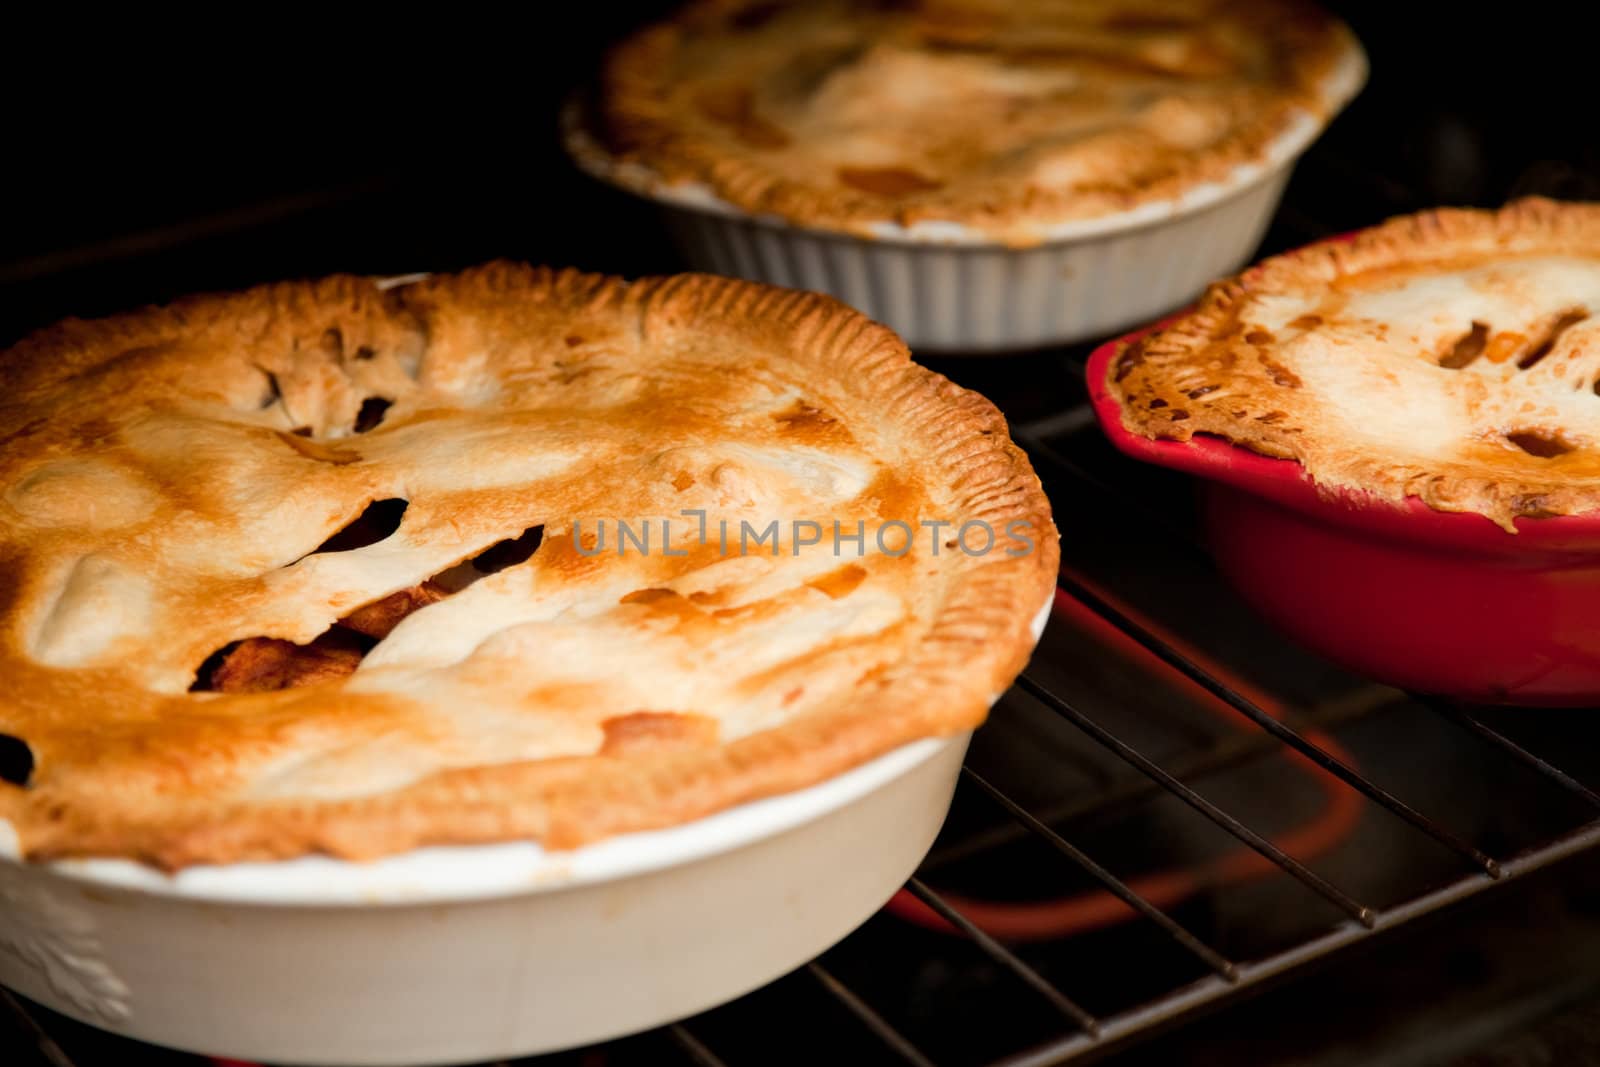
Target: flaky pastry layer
x=1004, y=117
x=1452, y=356
x=176, y=480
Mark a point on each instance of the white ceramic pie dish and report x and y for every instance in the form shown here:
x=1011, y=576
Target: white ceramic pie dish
x=945, y=287
x=462, y=954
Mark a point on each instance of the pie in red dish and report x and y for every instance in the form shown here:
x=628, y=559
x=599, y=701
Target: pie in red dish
x=1400, y=437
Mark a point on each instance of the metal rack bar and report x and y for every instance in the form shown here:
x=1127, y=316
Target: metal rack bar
x=1116, y=886
x=868, y=1016
x=1303, y=874
x=693, y=1047
x=873, y=1021
x=1033, y=442
x=1233, y=750
x=1005, y=957
x=1180, y=1002
x=1037, y=450
x=50, y=1052
x=1098, y=772
x=1068, y=421
x=1287, y=734
x=1515, y=751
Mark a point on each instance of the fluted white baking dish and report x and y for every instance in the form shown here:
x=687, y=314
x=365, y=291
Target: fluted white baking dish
x=462, y=954
x=947, y=288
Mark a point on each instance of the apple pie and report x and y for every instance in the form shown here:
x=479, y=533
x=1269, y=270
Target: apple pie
x=329, y=567
x=1002, y=116
x=1451, y=356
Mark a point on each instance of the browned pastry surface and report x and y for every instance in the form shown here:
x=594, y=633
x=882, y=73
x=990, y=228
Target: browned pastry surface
x=344, y=518
x=1452, y=356
x=997, y=114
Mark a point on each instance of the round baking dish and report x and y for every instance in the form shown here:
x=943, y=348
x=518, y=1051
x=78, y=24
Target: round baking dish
x=463, y=954
x=1441, y=603
x=945, y=287
x=478, y=953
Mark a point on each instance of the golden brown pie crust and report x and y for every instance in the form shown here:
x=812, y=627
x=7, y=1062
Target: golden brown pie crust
x=1001, y=116
x=1452, y=356
x=168, y=475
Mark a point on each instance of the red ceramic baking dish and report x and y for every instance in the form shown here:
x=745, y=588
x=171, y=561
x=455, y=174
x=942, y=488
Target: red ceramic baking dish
x=1435, y=602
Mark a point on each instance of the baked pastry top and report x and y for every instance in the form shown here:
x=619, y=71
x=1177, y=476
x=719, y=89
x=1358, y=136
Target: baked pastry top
x=1006, y=116
x=320, y=566
x=1452, y=356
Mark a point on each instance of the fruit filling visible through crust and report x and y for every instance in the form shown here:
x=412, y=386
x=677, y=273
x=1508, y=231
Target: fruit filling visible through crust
x=328, y=567
x=263, y=664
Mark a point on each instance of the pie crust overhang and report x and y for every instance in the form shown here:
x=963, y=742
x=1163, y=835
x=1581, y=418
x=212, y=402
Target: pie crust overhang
x=1452, y=356
x=1005, y=117
x=169, y=476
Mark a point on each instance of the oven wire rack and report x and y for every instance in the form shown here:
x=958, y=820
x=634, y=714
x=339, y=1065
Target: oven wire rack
x=1085, y=1032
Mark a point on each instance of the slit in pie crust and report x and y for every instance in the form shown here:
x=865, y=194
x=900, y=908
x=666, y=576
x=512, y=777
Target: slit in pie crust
x=393, y=638
x=1452, y=356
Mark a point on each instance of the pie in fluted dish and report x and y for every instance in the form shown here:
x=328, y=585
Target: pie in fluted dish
x=320, y=566
x=1452, y=356
x=1004, y=116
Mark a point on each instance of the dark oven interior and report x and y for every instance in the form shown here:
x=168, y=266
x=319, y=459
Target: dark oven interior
x=1229, y=850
